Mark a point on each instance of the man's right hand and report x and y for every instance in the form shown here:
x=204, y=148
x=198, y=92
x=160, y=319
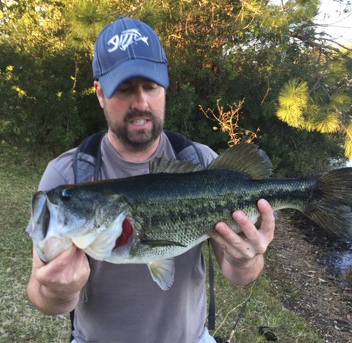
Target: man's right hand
x=54, y=287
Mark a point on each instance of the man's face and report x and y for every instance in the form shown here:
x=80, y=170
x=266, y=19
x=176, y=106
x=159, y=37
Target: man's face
x=135, y=113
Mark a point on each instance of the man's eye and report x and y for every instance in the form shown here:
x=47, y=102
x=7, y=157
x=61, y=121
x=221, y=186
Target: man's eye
x=151, y=86
x=123, y=89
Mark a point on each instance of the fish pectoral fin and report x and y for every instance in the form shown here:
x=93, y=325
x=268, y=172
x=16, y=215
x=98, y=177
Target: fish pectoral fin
x=163, y=272
x=161, y=243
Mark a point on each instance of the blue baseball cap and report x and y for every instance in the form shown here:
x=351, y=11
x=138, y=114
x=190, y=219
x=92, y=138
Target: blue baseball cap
x=125, y=49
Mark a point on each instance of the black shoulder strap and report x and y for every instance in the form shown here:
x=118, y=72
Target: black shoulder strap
x=211, y=310
x=87, y=160
x=184, y=148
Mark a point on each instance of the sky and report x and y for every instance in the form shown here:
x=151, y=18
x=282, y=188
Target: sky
x=338, y=25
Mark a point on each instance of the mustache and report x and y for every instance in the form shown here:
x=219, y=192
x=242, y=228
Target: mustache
x=130, y=115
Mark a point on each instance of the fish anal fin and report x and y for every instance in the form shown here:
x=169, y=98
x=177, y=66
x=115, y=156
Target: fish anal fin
x=163, y=272
x=244, y=158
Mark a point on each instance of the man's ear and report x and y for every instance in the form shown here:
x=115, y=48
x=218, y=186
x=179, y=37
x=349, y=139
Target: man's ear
x=100, y=94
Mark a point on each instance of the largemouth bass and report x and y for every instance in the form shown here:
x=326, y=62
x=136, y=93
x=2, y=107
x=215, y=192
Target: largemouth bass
x=152, y=218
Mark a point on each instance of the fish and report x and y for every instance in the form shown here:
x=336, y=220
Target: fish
x=152, y=218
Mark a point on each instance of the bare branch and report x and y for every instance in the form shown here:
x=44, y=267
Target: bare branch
x=326, y=49
x=229, y=122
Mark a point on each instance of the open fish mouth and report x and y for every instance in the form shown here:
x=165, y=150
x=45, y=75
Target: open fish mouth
x=109, y=242
x=40, y=215
x=40, y=220
x=46, y=243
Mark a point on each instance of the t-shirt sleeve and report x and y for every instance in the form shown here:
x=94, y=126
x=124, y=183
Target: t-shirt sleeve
x=58, y=172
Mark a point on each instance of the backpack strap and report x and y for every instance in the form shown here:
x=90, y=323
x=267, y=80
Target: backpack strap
x=87, y=160
x=211, y=309
x=184, y=148
x=86, y=167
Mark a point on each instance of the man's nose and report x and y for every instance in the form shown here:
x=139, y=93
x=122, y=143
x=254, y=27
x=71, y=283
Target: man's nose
x=140, y=100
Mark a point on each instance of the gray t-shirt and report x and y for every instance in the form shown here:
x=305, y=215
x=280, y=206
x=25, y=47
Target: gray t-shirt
x=121, y=303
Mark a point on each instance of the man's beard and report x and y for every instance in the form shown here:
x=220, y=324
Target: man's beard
x=139, y=139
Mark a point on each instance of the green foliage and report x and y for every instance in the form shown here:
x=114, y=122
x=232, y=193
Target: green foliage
x=84, y=20
x=293, y=99
x=45, y=80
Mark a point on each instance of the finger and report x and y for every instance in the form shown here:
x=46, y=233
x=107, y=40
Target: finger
x=257, y=240
x=235, y=248
x=224, y=235
x=53, y=270
x=246, y=226
x=65, y=257
x=65, y=274
x=268, y=219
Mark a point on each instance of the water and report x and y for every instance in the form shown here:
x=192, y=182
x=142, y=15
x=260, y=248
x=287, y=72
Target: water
x=337, y=257
x=333, y=253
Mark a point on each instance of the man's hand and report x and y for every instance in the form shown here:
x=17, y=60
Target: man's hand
x=240, y=256
x=54, y=287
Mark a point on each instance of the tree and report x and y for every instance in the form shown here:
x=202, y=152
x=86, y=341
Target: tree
x=253, y=51
x=261, y=54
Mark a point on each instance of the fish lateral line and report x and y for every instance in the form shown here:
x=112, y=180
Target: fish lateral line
x=161, y=243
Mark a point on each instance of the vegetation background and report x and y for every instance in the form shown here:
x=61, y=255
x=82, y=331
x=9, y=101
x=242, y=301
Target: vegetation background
x=288, y=84
x=242, y=70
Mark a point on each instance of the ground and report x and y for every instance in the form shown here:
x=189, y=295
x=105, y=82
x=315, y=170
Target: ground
x=313, y=290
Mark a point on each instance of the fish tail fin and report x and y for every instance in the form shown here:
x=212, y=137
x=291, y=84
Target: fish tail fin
x=334, y=209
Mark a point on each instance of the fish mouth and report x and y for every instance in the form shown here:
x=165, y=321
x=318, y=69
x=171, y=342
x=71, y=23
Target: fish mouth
x=40, y=220
x=40, y=214
x=111, y=241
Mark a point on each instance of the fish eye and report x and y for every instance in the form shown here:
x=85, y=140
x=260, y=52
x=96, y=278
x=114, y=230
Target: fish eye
x=66, y=194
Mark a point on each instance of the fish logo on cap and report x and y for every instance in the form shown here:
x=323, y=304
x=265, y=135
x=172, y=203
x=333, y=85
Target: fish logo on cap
x=127, y=38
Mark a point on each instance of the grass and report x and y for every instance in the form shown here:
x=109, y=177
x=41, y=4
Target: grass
x=242, y=310
x=19, y=321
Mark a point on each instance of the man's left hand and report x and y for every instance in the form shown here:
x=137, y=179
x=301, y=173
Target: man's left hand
x=240, y=255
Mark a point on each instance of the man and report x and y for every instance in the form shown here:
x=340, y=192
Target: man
x=121, y=303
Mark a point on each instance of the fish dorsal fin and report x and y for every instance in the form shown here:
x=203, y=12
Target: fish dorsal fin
x=162, y=165
x=244, y=158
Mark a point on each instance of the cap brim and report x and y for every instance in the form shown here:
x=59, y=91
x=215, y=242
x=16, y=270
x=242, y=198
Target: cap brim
x=156, y=72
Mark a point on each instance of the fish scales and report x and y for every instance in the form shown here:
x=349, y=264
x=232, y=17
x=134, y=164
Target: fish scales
x=164, y=214
x=184, y=220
